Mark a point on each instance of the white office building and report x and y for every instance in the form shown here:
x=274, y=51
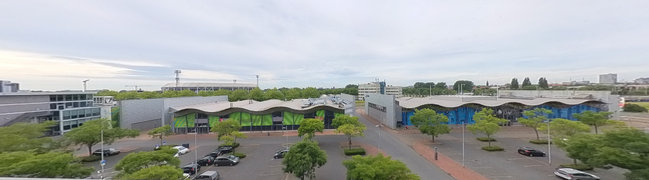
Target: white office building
x=378, y=88
x=608, y=78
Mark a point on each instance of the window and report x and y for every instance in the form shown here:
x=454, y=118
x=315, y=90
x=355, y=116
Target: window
x=75, y=97
x=74, y=124
x=75, y=104
x=88, y=112
x=89, y=97
x=52, y=106
x=66, y=114
x=52, y=98
x=201, y=116
x=82, y=97
x=82, y=104
x=74, y=114
x=68, y=105
x=95, y=112
x=68, y=97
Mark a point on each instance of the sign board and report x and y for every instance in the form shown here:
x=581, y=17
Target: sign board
x=103, y=162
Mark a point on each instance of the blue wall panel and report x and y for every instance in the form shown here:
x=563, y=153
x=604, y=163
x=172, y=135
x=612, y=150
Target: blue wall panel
x=566, y=113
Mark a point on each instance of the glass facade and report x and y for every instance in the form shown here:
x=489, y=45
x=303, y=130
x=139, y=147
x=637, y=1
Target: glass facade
x=72, y=110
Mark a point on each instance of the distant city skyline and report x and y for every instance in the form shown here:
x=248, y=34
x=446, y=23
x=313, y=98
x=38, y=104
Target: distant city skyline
x=49, y=45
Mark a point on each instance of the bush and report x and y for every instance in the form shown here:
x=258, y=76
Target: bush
x=238, y=154
x=354, y=151
x=90, y=158
x=540, y=141
x=492, y=148
x=634, y=108
x=581, y=167
x=484, y=139
x=234, y=145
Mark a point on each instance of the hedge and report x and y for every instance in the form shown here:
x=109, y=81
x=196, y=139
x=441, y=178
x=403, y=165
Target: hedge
x=484, y=139
x=492, y=148
x=581, y=167
x=240, y=155
x=90, y=158
x=634, y=108
x=540, y=141
x=354, y=151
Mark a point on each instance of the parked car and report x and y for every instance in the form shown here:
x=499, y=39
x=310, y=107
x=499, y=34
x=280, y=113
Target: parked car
x=206, y=161
x=225, y=149
x=158, y=147
x=573, y=174
x=226, y=160
x=214, y=154
x=528, y=151
x=191, y=168
x=280, y=154
x=208, y=175
x=107, y=152
x=181, y=150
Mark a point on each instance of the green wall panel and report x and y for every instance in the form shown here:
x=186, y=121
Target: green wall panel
x=213, y=120
x=180, y=121
x=245, y=119
x=191, y=118
x=298, y=119
x=256, y=120
x=267, y=120
x=236, y=116
x=288, y=118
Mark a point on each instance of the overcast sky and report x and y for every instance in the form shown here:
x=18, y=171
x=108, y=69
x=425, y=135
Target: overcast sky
x=54, y=45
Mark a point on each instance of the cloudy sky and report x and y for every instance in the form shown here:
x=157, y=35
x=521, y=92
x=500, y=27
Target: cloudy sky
x=54, y=45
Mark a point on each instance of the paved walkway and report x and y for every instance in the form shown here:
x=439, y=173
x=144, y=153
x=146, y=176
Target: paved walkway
x=421, y=146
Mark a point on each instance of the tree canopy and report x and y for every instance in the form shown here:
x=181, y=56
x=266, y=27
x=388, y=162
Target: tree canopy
x=226, y=127
x=377, y=167
x=274, y=94
x=137, y=161
x=564, y=128
x=468, y=85
x=543, y=83
x=26, y=136
x=595, y=119
x=430, y=122
x=90, y=133
x=256, y=94
x=526, y=82
x=309, y=127
x=514, y=84
x=302, y=159
x=157, y=172
x=161, y=132
x=350, y=126
x=46, y=165
x=486, y=123
x=535, y=119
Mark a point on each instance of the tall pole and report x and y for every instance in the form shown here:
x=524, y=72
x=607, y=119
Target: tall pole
x=430, y=90
x=549, y=149
x=84, y=84
x=257, y=81
x=195, y=150
x=379, y=141
x=463, y=126
x=101, y=174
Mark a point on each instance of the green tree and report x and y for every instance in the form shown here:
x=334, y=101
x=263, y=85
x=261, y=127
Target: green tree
x=90, y=133
x=47, y=165
x=633, y=108
x=441, y=85
x=468, y=85
x=595, y=119
x=302, y=159
x=226, y=127
x=274, y=94
x=222, y=92
x=486, y=123
x=627, y=148
x=526, y=82
x=535, y=119
x=161, y=132
x=137, y=161
x=205, y=93
x=309, y=127
x=256, y=94
x=107, y=93
x=170, y=94
x=186, y=93
x=580, y=146
x=27, y=136
x=564, y=128
x=238, y=95
x=430, y=122
x=148, y=95
x=293, y=93
x=543, y=83
x=310, y=92
x=514, y=84
x=377, y=167
x=157, y=172
x=348, y=125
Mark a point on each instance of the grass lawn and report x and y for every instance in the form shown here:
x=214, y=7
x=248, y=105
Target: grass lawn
x=643, y=104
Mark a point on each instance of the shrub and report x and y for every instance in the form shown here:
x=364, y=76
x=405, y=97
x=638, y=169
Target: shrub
x=90, y=158
x=234, y=145
x=634, y=108
x=354, y=151
x=540, y=141
x=492, y=148
x=581, y=167
x=484, y=139
x=238, y=154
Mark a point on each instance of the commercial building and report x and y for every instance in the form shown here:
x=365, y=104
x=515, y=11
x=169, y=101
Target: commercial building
x=70, y=109
x=269, y=115
x=145, y=114
x=642, y=80
x=196, y=87
x=608, y=78
x=395, y=112
x=7, y=87
x=378, y=88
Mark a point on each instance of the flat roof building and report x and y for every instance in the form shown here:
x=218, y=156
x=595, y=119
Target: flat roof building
x=608, y=78
x=196, y=87
x=8, y=86
x=378, y=88
x=70, y=109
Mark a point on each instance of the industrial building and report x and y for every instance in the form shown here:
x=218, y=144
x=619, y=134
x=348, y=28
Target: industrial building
x=608, y=78
x=70, y=109
x=395, y=112
x=269, y=115
x=196, y=87
x=378, y=88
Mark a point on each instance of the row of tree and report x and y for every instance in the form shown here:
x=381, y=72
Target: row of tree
x=236, y=95
x=527, y=84
x=25, y=151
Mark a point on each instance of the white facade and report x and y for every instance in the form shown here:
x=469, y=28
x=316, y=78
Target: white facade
x=608, y=78
x=7, y=87
x=375, y=88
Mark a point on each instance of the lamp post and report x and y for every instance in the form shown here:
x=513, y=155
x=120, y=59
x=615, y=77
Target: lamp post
x=103, y=162
x=84, y=84
x=549, y=149
x=463, y=126
x=378, y=126
x=196, y=150
x=461, y=92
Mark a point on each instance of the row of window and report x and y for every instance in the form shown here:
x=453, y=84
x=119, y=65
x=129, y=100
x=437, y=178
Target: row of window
x=80, y=113
x=61, y=106
x=70, y=97
x=67, y=125
x=377, y=107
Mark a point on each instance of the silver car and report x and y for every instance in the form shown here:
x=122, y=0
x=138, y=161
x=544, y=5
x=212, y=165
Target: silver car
x=573, y=174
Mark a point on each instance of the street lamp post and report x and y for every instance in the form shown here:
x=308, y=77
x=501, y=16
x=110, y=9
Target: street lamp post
x=195, y=150
x=379, y=141
x=549, y=149
x=463, y=126
x=102, y=163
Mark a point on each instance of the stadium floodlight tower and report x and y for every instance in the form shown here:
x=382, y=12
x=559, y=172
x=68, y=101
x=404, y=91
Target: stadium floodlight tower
x=177, y=76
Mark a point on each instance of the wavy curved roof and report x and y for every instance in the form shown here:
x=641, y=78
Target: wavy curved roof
x=255, y=106
x=456, y=101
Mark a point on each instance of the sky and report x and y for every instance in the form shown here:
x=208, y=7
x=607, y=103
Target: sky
x=55, y=45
